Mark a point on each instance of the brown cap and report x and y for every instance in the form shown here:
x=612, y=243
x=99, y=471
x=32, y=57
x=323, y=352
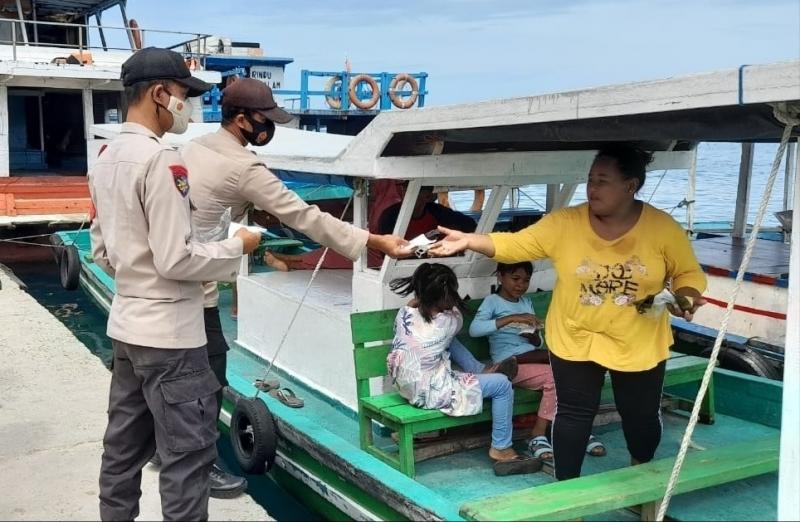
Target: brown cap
x=255, y=95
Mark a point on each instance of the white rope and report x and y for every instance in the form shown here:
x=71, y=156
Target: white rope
x=21, y=239
x=790, y=121
x=302, y=300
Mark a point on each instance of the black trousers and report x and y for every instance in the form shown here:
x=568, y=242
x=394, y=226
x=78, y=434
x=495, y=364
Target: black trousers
x=217, y=348
x=578, y=389
x=167, y=398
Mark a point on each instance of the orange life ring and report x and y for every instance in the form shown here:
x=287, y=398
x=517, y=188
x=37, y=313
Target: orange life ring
x=478, y=199
x=403, y=102
x=191, y=63
x=479, y=196
x=136, y=33
x=376, y=93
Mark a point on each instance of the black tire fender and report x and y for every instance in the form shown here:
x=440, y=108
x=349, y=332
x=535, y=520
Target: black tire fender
x=745, y=361
x=253, y=435
x=69, y=267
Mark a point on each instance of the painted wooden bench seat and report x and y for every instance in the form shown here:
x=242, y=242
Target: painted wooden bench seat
x=372, y=333
x=632, y=486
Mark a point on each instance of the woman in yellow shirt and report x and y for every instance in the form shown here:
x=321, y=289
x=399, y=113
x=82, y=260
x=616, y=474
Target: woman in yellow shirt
x=608, y=253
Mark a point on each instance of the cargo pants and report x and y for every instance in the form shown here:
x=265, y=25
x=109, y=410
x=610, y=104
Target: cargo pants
x=164, y=397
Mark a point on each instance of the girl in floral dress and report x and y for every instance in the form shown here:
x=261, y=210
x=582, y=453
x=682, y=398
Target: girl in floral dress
x=420, y=362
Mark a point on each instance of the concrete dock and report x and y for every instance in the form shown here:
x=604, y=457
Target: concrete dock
x=53, y=400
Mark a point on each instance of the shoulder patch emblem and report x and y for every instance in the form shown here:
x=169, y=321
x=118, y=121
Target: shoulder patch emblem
x=181, y=178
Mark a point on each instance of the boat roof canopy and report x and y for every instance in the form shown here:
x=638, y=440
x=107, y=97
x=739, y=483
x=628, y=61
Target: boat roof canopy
x=74, y=8
x=653, y=131
x=551, y=138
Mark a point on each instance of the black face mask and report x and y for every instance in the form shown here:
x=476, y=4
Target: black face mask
x=261, y=134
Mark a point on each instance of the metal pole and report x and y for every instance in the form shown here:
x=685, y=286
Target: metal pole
x=14, y=41
x=789, y=173
x=41, y=124
x=743, y=192
x=789, y=467
x=788, y=177
x=552, y=193
x=100, y=30
x=125, y=23
x=35, y=25
x=22, y=22
x=691, y=192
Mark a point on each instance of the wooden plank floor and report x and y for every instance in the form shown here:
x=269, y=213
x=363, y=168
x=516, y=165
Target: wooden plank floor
x=770, y=258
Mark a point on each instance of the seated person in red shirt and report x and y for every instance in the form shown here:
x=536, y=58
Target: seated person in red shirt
x=427, y=216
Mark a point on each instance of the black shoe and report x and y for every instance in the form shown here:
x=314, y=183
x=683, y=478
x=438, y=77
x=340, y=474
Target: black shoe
x=225, y=485
x=155, y=460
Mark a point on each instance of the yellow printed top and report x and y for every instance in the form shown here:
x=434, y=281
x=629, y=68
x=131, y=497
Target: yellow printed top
x=592, y=316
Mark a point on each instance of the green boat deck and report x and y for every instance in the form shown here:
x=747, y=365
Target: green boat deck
x=747, y=409
x=467, y=476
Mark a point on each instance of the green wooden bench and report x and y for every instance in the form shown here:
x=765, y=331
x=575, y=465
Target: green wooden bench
x=642, y=485
x=372, y=334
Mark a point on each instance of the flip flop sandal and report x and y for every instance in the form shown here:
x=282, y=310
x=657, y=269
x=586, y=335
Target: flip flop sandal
x=287, y=397
x=519, y=465
x=267, y=385
x=539, y=446
x=593, y=445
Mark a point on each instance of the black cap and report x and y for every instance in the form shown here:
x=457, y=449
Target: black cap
x=255, y=95
x=154, y=63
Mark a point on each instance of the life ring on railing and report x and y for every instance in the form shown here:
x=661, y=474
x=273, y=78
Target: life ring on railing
x=334, y=102
x=254, y=436
x=358, y=102
x=136, y=34
x=478, y=198
x=396, y=95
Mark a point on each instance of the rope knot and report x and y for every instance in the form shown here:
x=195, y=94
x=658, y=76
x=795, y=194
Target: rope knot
x=787, y=113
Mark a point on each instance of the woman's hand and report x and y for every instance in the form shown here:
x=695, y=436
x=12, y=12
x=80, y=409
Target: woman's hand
x=695, y=301
x=455, y=242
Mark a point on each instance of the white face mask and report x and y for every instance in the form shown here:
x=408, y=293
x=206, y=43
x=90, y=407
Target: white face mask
x=181, y=113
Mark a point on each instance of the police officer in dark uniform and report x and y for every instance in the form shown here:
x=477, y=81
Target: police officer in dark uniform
x=163, y=392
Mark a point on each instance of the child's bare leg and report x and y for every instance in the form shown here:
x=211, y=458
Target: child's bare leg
x=502, y=454
x=540, y=427
x=273, y=260
x=534, y=357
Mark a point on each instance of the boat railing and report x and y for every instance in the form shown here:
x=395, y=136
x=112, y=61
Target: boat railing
x=24, y=34
x=347, y=91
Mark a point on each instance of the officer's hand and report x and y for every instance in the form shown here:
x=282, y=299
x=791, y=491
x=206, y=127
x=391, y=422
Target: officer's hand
x=249, y=239
x=392, y=246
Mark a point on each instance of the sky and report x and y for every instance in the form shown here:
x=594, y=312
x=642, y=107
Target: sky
x=476, y=50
